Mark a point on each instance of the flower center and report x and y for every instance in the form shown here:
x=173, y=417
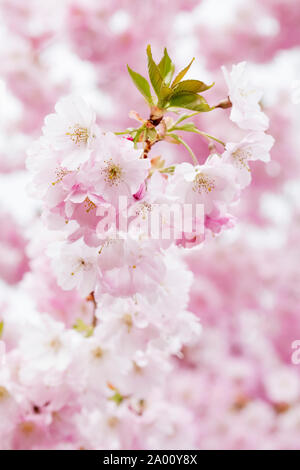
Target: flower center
x=27, y=427
x=241, y=156
x=3, y=393
x=112, y=421
x=112, y=173
x=78, y=134
x=55, y=344
x=127, y=320
x=81, y=265
x=203, y=184
x=143, y=209
x=89, y=205
x=60, y=174
x=244, y=93
x=97, y=352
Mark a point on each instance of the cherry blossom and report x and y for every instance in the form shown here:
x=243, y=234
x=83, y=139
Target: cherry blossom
x=208, y=184
x=113, y=336
x=117, y=168
x=245, y=97
x=78, y=268
x=72, y=130
x=255, y=146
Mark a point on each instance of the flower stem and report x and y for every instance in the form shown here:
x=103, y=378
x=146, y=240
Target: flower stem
x=127, y=131
x=183, y=117
x=224, y=104
x=179, y=139
x=91, y=298
x=208, y=136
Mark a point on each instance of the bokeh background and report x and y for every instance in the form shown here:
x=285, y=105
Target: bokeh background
x=239, y=386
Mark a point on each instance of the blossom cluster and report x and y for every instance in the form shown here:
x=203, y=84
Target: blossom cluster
x=101, y=361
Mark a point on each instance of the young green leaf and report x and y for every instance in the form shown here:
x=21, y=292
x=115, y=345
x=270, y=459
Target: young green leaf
x=191, y=86
x=81, y=327
x=1, y=327
x=151, y=134
x=166, y=68
x=182, y=73
x=117, y=398
x=142, y=84
x=154, y=73
x=189, y=101
x=138, y=134
x=165, y=95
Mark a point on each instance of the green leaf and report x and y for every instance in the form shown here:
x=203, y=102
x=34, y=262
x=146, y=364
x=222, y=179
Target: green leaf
x=1, y=327
x=191, y=86
x=154, y=73
x=166, y=68
x=142, y=84
x=165, y=95
x=117, y=398
x=81, y=327
x=189, y=101
x=138, y=134
x=182, y=73
x=151, y=134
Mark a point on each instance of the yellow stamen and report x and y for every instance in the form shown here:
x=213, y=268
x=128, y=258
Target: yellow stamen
x=203, y=183
x=78, y=134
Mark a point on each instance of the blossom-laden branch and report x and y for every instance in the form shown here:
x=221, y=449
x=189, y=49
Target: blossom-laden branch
x=99, y=191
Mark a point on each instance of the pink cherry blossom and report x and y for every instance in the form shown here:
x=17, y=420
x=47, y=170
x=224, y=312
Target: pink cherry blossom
x=255, y=146
x=245, y=97
x=78, y=268
x=72, y=130
x=118, y=169
x=112, y=337
x=208, y=184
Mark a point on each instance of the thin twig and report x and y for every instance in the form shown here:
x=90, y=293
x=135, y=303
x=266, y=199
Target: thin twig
x=179, y=139
x=208, y=136
x=91, y=298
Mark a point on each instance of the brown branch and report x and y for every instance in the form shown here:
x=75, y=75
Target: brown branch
x=156, y=118
x=91, y=298
x=147, y=148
